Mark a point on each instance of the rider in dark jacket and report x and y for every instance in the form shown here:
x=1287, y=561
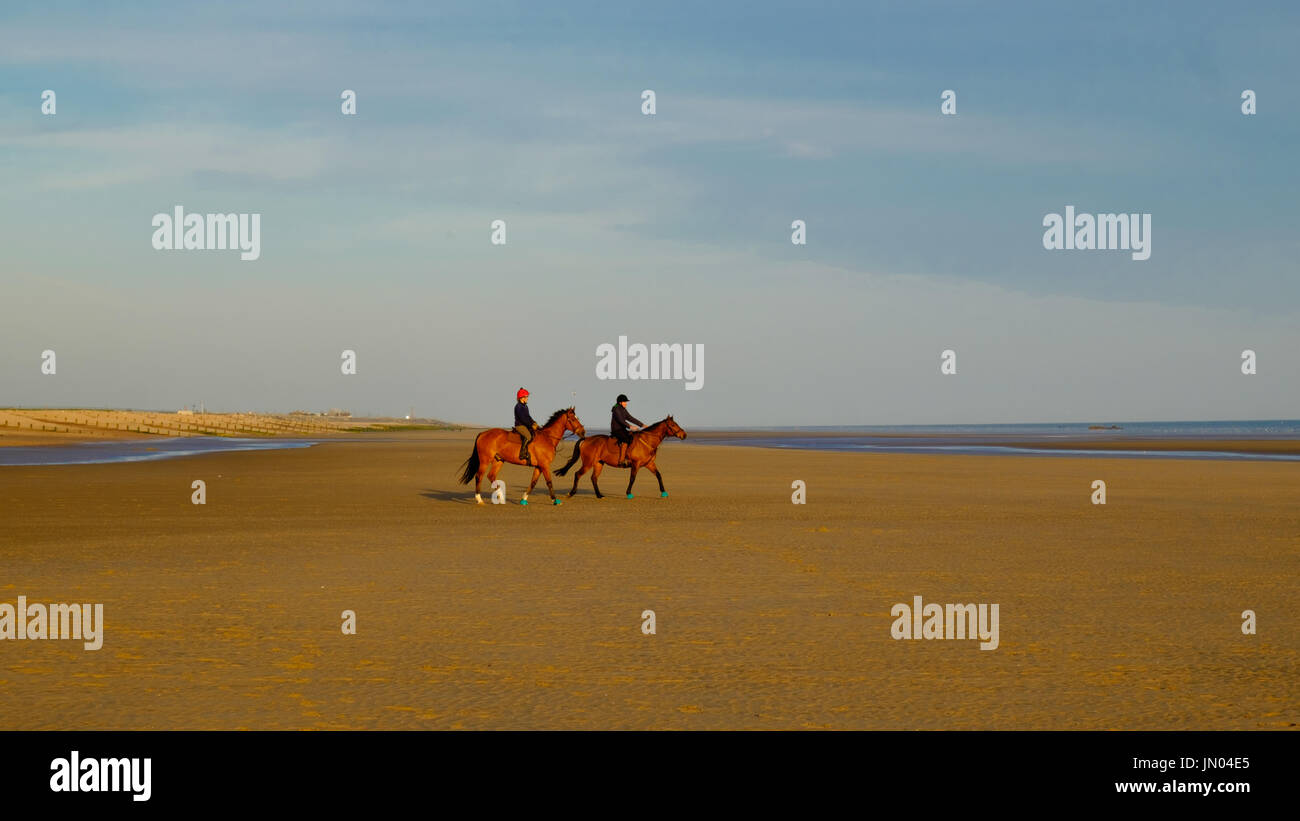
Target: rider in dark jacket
x=618, y=427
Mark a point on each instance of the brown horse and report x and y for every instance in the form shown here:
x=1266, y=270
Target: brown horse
x=496, y=446
x=602, y=450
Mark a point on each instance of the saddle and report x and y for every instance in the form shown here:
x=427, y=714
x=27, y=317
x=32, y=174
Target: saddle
x=526, y=456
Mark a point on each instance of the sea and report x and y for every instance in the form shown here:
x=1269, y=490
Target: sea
x=138, y=450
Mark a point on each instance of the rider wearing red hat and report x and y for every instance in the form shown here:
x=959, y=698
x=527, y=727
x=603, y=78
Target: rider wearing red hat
x=524, y=424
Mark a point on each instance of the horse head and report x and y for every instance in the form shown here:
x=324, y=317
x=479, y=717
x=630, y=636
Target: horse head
x=674, y=428
x=571, y=422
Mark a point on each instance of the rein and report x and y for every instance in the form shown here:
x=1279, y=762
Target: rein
x=658, y=428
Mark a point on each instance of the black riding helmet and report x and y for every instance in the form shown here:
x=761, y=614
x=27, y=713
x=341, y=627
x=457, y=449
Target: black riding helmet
x=622, y=397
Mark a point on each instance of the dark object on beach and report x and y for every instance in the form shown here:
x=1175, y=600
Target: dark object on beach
x=1104, y=427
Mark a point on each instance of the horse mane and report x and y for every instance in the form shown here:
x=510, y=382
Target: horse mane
x=555, y=416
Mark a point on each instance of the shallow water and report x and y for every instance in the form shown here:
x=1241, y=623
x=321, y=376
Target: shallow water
x=939, y=445
x=1020, y=439
x=139, y=450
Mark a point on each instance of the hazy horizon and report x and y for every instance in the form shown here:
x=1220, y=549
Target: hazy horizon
x=472, y=423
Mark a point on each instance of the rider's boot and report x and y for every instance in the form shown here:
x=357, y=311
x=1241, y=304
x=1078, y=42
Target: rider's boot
x=622, y=454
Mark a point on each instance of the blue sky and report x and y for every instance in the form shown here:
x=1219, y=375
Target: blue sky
x=924, y=231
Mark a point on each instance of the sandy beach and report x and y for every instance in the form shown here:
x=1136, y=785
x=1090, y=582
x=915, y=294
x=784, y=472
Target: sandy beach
x=769, y=614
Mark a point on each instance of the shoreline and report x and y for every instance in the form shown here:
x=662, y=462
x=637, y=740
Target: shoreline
x=132, y=445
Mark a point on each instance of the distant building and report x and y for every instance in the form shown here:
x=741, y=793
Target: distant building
x=185, y=412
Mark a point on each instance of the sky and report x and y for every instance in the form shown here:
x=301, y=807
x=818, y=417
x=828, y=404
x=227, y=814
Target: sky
x=924, y=231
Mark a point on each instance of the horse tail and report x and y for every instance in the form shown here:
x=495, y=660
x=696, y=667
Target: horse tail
x=471, y=464
x=577, y=454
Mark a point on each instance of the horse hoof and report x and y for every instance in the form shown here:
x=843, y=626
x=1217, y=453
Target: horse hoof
x=629, y=496
x=663, y=495
x=523, y=501
x=555, y=501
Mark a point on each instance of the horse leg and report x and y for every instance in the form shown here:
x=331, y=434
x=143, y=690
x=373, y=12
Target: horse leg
x=492, y=474
x=536, y=472
x=653, y=468
x=595, y=474
x=576, y=476
x=631, y=479
x=550, y=488
x=483, y=465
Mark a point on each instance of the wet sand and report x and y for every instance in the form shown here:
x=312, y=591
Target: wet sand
x=769, y=614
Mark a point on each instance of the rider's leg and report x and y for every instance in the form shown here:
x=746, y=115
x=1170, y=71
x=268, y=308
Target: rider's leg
x=525, y=436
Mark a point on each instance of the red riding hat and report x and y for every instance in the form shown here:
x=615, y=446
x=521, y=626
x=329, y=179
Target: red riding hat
x=521, y=394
